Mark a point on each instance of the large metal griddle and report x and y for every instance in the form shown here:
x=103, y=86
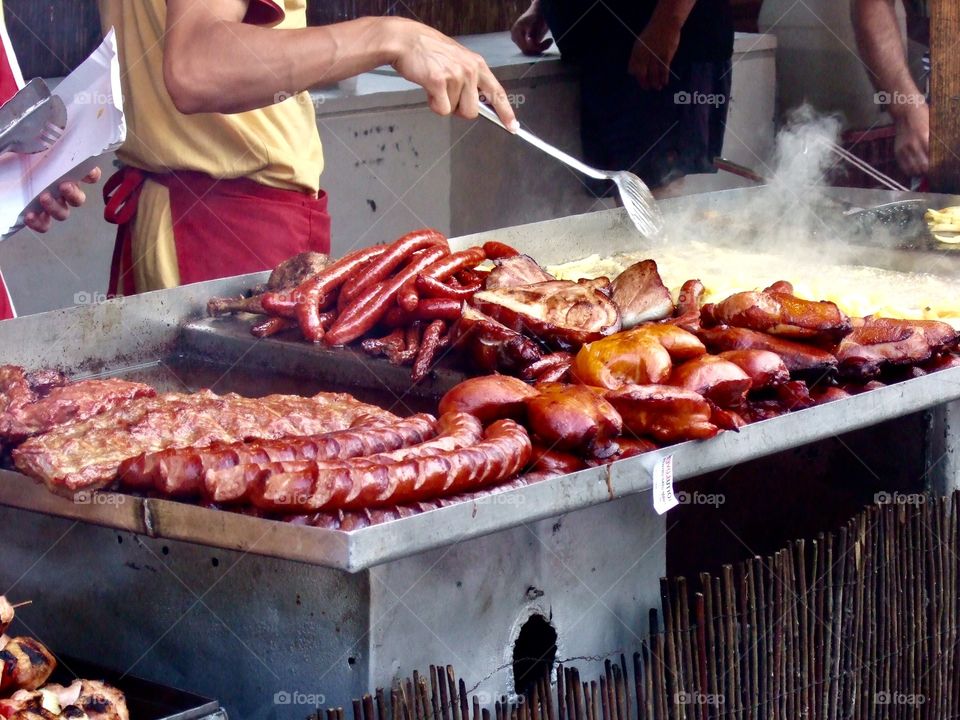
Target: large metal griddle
x=164, y=338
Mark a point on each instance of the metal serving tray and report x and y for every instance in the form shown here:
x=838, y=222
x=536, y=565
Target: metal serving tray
x=162, y=337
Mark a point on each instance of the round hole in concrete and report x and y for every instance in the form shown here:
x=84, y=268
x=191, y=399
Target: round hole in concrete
x=534, y=653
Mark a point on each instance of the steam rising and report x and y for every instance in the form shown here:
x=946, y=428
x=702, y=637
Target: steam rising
x=795, y=213
x=794, y=229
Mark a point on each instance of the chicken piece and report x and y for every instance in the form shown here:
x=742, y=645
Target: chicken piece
x=291, y=273
x=725, y=419
x=856, y=388
x=554, y=462
x=942, y=362
x=574, y=418
x=627, y=448
x=716, y=379
x=601, y=284
x=286, y=276
x=631, y=447
x=491, y=345
x=759, y=410
x=780, y=314
x=25, y=663
x=642, y=355
x=640, y=294
x=560, y=313
x=489, y=398
x=665, y=413
x=515, y=271
x=765, y=368
x=798, y=357
x=823, y=395
x=877, y=342
x=794, y=395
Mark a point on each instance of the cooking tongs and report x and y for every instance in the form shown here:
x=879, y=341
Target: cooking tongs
x=637, y=199
x=32, y=120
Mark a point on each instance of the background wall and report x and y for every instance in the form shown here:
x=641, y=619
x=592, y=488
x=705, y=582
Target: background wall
x=54, y=36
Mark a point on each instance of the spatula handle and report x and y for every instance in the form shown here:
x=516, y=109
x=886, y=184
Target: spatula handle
x=546, y=147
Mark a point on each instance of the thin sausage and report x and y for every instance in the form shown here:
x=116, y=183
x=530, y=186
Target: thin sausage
x=396, y=253
x=432, y=288
x=406, y=354
x=429, y=347
x=313, y=293
x=442, y=269
x=496, y=250
x=360, y=317
x=427, y=309
x=282, y=303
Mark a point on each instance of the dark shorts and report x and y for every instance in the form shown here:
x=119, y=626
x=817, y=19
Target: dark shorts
x=659, y=135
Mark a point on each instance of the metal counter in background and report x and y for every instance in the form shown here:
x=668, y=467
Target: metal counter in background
x=250, y=610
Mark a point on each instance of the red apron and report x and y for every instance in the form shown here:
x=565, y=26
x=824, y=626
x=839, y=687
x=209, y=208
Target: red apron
x=221, y=227
x=10, y=82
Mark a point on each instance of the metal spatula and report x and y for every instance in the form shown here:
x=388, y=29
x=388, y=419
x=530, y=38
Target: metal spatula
x=638, y=201
x=32, y=120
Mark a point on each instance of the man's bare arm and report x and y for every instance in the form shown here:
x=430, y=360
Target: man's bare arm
x=654, y=50
x=881, y=46
x=882, y=50
x=214, y=62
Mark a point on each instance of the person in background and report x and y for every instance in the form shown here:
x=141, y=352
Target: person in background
x=223, y=158
x=655, y=80
x=54, y=208
x=883, y=52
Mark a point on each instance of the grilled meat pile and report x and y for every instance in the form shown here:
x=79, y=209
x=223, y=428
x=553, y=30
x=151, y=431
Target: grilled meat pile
x=698, y=370
x=87, y=454
x=279, y=455
x=34, y=403
x=25, y=667
x=411, y=300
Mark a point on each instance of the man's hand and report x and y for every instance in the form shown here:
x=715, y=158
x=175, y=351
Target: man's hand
x=58, y=208
x=912, y=145
x=453, y=76
x=653, y=52
x=530, y=30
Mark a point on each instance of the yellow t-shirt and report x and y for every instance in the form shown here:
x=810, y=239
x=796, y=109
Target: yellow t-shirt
x=278, y=146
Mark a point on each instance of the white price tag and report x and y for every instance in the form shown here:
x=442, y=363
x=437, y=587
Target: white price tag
x=663, y=497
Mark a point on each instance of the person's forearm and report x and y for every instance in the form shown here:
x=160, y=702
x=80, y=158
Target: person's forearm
x=222, y=66
x=881, y=47
x=673, y=12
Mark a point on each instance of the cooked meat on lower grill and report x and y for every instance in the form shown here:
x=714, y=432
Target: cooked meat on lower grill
x=25, y=663
x=876, y=342
x=99, y=701
x=31, y=404
x=87, y=454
